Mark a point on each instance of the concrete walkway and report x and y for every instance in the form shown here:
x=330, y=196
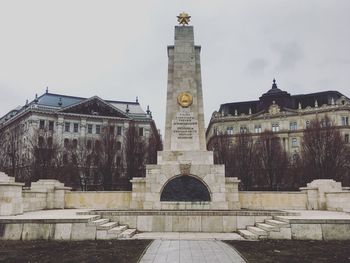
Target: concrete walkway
x=188, y=236
x=186, y=251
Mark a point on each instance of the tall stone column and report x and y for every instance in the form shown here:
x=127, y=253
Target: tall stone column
x=184, y=124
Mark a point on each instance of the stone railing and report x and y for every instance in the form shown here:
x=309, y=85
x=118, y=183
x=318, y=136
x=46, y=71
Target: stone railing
x=320, y=194
x=43, y=194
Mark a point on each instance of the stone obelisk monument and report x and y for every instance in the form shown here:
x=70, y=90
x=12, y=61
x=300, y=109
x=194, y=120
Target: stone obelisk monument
x=184, y=127
x=185, y=176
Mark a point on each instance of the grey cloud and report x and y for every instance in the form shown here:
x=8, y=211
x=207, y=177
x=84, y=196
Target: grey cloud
x=289, y=54
x=256, y=66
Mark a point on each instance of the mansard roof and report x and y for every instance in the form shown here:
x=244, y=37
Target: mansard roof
x=281, y=98
x=51, y=102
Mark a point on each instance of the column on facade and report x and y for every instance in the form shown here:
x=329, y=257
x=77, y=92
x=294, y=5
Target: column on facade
x=82, y=127
x=60, y=124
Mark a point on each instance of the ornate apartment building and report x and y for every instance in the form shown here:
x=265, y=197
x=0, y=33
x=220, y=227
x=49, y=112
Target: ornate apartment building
x=284, y=114
x=54, y=119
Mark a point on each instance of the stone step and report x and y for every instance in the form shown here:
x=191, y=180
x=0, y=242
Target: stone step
x=267, y=227
x=128, y=233
x=282, y=219
x=99, y=222
x=257, y=231
x=93, y=218
x=117, y=230
x=104, y=234
x=107, y=226
x=247, y=234
x=277, y=223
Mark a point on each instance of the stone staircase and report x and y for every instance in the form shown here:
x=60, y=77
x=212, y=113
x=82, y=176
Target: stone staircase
x=275, y=228
x=106, y=229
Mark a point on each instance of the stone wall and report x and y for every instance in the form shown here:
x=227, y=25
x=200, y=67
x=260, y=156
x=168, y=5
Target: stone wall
x=272, y=200
x=98, y=200
x=338, y=201
x=33, y=201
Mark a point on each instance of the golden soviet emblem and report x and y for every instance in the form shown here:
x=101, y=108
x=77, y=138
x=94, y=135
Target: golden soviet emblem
x=184, y=99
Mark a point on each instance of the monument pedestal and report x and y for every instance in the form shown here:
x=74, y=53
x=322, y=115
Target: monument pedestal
x=163, y=187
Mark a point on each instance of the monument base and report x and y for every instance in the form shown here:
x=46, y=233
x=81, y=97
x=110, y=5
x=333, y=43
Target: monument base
x=179, y=182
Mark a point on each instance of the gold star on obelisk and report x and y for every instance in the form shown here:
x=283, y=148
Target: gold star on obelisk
x=183, y=18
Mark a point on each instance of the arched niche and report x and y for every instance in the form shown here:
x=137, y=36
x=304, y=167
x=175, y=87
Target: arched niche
x=185, y=188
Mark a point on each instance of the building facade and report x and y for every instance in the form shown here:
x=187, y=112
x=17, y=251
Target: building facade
x=282, y=113
x=71, y=124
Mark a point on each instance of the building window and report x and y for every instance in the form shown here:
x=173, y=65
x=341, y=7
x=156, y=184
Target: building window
x=257, y=128
x=51, y=123
x=41, y=142
x=216, y=132
x=89, y=144
x=243, y=129
x=90, y=128
x=140, y=131
x=344, y=120
x=97, y=145
x=98, y=129
x=75, y=127
x=75, y=143
x=65, y=158
x=293, y=126
x=119, y=130
x=275, y=127
x=119, y=146
x=119, y=160
x=49, y=142
x=307, y=124
x=66, y=143
x=74, y=159
x=41, y=124
x=230, y=130
x=346, y=138
x=67, y=126
x=295, y=142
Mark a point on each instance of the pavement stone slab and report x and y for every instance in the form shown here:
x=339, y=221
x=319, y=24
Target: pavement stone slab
x=190, y=251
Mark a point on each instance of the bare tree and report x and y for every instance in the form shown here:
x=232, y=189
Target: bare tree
x=272, y=160
x=2, y=151
x=323, y=151
x=222, y=148
x=153, y=146
x=46, y=156
x=10, y=152
x=134, y=152
x=106, y=157
x=244, y=160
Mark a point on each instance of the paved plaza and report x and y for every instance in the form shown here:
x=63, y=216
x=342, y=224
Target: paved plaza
x=186, y=251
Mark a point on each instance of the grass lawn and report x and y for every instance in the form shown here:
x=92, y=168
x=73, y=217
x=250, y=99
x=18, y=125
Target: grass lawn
x=127, y=251
x=293, y=251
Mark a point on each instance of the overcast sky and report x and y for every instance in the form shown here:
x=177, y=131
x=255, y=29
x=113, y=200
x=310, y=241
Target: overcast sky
x=117, y=49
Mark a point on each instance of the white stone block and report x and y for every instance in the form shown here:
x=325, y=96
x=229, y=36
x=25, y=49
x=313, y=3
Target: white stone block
x=306, y=231
x=63, y=231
